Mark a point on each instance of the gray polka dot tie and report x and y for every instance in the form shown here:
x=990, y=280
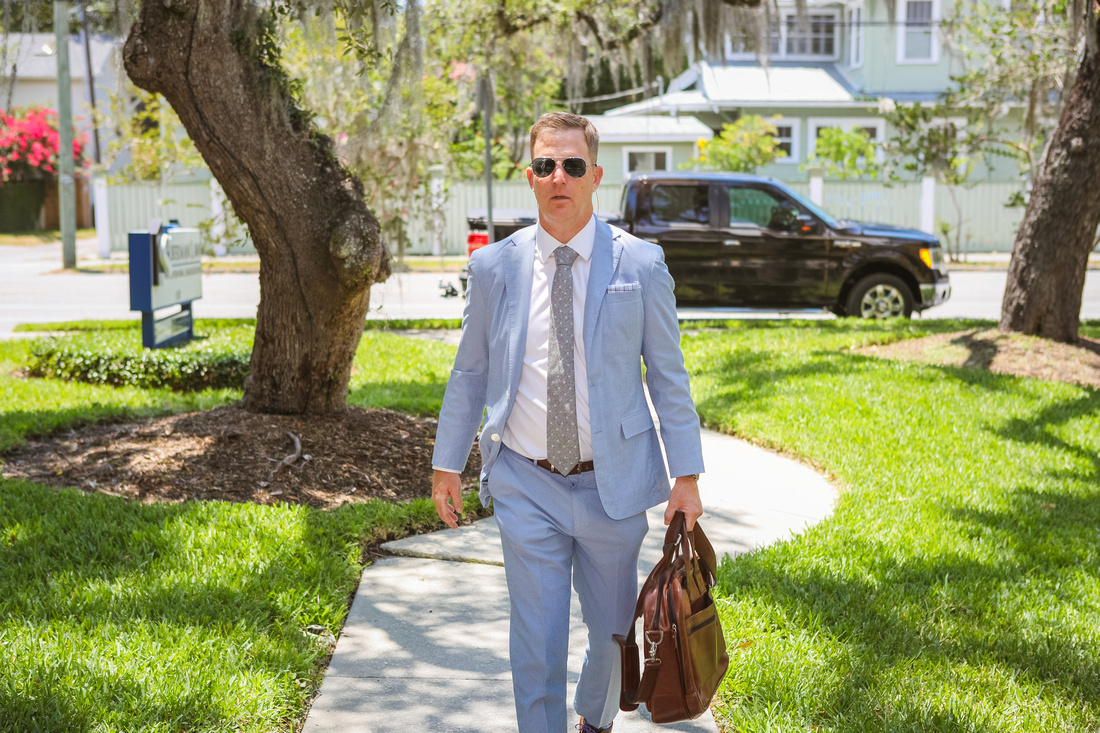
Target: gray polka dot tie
x=562, y=446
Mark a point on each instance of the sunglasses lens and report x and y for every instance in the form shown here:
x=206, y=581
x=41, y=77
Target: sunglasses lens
x=543, y=167
x=574, y=167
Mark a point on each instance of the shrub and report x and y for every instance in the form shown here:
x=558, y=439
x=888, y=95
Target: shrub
x=219, y=360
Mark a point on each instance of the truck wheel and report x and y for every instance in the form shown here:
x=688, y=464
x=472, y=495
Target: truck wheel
x=880, y=296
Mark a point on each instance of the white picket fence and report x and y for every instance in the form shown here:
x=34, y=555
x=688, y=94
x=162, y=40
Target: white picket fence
x=987, y=223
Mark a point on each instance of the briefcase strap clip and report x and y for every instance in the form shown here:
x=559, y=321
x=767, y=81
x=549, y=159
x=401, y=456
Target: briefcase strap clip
x=653, y=643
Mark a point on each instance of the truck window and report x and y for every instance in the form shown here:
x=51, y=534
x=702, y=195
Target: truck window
x=754, y=206
x=690, y=204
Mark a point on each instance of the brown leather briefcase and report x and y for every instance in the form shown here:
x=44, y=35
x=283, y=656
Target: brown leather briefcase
x=684, y=648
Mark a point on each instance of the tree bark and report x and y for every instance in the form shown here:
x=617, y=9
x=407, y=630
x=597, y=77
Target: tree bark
x=320, y=247
x=1046, y=276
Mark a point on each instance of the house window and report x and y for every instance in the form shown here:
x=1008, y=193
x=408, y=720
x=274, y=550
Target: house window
x=917, y=41
x=783, y=137
x=646, y=160
x=855, y=37
x=786, y=134
x=811, y=36
x=875, y=128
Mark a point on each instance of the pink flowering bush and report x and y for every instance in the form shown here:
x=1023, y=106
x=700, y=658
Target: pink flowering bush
x=29, y=144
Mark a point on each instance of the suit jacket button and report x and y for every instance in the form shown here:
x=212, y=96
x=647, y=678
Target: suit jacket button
x=494, y=437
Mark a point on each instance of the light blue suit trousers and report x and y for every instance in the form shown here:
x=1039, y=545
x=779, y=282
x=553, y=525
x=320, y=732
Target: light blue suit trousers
x=552, y=527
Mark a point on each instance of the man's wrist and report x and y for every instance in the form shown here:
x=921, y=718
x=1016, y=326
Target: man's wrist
x=693, y=476
x=445, y=470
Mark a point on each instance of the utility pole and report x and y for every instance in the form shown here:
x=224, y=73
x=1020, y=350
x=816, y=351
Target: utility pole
x=486, y=94
x=90, y=73
x=66, y=184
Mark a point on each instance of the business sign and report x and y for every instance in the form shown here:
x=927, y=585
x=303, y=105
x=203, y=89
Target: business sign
x=165, y=270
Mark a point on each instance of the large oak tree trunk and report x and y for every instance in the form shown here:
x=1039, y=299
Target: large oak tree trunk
x=1046, y=277
x=319, y=246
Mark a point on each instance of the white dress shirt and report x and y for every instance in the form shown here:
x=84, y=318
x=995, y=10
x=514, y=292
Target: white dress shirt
x=525, y=429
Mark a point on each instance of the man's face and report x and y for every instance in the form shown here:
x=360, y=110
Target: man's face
x=563, y=200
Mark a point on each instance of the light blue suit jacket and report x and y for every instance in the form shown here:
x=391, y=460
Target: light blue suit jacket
x=629, y=317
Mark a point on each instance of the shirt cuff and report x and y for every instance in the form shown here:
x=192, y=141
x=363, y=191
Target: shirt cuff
x=445, y=470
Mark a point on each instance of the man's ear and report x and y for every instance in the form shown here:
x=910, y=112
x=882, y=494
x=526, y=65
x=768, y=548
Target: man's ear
x=597, y=174
x=530, y=178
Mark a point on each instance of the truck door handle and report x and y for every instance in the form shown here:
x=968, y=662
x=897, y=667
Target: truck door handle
x=732, y=242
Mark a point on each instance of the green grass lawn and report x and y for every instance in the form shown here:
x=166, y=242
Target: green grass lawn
x=955, y=588
x=957, y=585
x=120, y=616
x=45, y=236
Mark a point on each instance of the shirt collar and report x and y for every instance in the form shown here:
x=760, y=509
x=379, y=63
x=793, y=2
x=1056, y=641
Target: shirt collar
x=582, y=243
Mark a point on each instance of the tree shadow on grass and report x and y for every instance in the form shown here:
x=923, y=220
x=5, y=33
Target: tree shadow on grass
x=745, y=378
x=1036, y=430
x=79, y=565
x=946, y=615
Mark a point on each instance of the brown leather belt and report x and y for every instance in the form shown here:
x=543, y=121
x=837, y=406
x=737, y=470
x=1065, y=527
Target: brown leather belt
x=583, y=467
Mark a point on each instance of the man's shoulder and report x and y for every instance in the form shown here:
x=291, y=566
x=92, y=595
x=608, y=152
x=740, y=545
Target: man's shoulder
x=491, y=256
x=492, y=253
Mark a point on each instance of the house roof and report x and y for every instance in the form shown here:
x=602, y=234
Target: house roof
x=650, y=128
x=710, y=88
x=27, y=50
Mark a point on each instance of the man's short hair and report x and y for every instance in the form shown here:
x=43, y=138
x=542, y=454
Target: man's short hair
x=567, y=121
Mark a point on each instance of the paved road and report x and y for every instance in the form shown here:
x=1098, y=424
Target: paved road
x=33, y=289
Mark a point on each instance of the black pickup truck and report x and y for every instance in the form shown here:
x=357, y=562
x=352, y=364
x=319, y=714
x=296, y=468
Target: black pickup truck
x=746, y=241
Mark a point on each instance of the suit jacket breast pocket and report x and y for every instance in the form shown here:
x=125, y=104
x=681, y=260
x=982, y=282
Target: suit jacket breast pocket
x=615, y=297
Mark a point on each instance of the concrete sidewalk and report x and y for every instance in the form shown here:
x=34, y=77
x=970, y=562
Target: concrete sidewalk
x=425, y=646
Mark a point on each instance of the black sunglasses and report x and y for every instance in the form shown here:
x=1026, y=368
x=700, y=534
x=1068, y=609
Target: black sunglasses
x=573, y=167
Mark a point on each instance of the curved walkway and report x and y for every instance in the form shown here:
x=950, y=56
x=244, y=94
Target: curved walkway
x=425, y=647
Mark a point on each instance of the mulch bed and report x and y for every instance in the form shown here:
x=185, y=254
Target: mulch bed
x=232, y=455
x=1004, y=353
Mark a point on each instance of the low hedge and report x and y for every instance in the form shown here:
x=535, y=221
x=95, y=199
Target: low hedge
x=219, y=360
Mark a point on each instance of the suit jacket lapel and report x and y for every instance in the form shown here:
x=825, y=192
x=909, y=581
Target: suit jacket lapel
x=519, y=262
x=605, y=259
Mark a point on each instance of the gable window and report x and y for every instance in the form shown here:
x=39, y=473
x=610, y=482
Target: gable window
x=855, y=37
x=916, y=34
x=812, y=37
x=646, y=159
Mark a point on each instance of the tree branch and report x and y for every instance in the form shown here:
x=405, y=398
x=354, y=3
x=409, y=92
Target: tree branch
x=635, y=31
x=510, y=26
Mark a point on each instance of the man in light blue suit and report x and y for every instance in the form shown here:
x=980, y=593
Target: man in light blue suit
x=559, y=319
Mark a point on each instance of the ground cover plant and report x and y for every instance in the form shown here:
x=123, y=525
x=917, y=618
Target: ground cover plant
x=215, y=359
x=957, y=585
x=167, y=615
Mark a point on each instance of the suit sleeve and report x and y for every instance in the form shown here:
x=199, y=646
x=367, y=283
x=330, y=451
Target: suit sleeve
x=464, y=399
x=666, y=375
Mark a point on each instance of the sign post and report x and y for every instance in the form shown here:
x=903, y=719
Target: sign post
x=165, y=270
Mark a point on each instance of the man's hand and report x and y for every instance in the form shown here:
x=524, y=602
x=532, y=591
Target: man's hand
x=685, y=497
x=447, y=496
